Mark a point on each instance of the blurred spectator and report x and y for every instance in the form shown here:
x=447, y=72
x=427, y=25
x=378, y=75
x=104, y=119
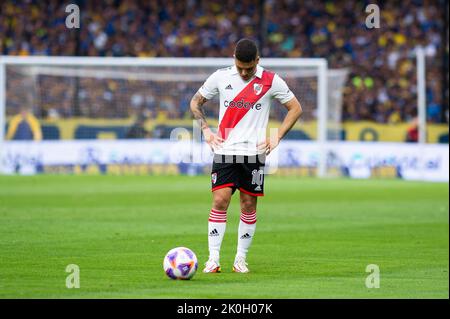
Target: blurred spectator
x=24, y=126
x=412, y=135
x=137, y=130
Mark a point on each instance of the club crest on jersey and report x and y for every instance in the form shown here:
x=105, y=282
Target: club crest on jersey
x=214, y=178
x=257, y=88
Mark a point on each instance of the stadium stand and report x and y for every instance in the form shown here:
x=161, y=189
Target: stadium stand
x=381, y=85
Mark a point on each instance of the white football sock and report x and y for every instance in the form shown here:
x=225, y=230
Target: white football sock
x=217, y=223
x=247, y=227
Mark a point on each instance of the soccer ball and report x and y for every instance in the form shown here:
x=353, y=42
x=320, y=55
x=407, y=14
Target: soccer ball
x=180, y=263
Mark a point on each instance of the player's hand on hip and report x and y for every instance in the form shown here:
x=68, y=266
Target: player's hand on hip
x=213, y=140
x=269, y=144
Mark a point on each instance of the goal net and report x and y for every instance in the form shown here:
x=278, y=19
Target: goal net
x=97, y=98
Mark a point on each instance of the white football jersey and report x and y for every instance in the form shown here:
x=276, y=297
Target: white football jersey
x=244, y=107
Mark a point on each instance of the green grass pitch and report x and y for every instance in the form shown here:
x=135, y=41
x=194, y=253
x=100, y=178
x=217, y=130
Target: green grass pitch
x=314, y=238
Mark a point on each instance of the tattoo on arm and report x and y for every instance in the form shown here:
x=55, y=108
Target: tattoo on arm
x=196, y=106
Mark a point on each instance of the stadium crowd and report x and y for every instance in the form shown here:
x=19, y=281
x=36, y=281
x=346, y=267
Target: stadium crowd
x=381, y=85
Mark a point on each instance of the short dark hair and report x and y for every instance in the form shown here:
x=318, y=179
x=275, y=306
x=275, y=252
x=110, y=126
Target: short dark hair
x=246, y=50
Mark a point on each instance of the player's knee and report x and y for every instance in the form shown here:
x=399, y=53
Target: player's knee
x=248, y=204
x=221, y=202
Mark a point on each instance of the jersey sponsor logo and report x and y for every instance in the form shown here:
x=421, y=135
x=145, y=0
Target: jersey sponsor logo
x=242, y=104
x=229, y=87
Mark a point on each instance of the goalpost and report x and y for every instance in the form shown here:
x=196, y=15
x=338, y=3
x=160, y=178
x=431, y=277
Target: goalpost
x=98, y=87
x=421, y=95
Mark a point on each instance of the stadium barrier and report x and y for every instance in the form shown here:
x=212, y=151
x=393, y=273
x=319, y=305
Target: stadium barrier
x=425, y=162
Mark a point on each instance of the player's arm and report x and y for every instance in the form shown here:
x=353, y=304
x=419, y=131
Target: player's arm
x=286, y=97
x=294, y=111
x=197, y=102
x=196, y=105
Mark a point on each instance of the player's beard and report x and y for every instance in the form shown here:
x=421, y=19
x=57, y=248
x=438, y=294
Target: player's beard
x=248, y=77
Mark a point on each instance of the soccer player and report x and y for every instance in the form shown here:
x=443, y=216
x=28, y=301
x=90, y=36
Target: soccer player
x=240, y=144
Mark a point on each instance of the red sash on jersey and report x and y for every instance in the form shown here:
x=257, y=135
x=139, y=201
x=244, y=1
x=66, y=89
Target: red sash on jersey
x=232, y=116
